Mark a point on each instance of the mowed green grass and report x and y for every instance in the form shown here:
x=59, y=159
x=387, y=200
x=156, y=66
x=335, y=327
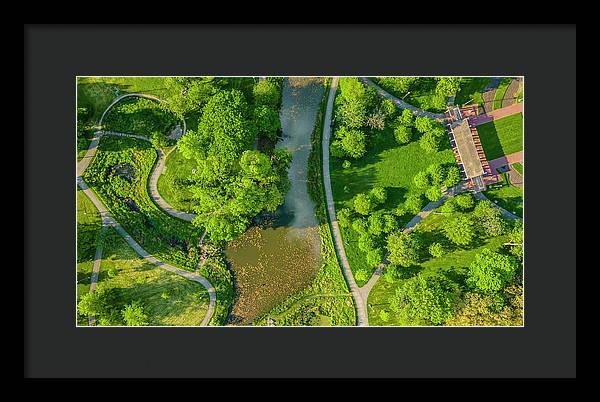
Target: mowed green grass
x=177, y=167
x=508, y=197
x=96, y=93
x=88, y=228
x=471, y=89
x=388, y=165
x=168, y=299
x=454, y=263
x=500, y=91
x=502, y=137
x=518, y=167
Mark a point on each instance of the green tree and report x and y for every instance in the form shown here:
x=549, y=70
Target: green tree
x=363, y=204
x=375, y=257
x=367, y=242
x=354, y=143
x=337, y=150
x=185, y=95
x=390, y=224
x=433, y=193
x=482, y=310
x=422, y=180
x=448, y=206
x=267, y=121
x=437, y=173
x=465, y=201
x=402, y=134
x=361, y=275
x=460, y=230
x=436, y=249
x=516, y=240
x=406, y=118
x=414, y=203
x=447, y=86
x=452, y=176
x=389, y=108
x=355, y=102
x=378, y=194
x=266, y=92
x=134, y=314
x=344, y=217
x=424, y=300
x=489, y=219
x=423, y=124
x=404, y=248
x=376, y=223
x=360, y=225
x=384, y=316
x=431, y=141
x=490, y=271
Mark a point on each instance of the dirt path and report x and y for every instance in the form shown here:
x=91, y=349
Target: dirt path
x=108, y=220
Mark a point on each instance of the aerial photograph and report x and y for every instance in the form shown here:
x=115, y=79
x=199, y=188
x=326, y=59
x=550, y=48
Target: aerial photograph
x=299, y=201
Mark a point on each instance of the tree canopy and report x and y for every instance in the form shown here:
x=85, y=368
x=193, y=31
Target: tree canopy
x=490, y=271
x=404, y=248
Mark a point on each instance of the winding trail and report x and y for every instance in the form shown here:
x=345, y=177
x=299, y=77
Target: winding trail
x=108, y=220
x=400, y=103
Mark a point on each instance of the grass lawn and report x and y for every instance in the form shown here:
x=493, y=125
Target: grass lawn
x=508, y=197
x=168, y=299
x=518, y=167
x=454, y=263
x=502, y=137
x=388, y=165
x=177, y=167
x=88, y=228
x=500, y=91
x=471, y=89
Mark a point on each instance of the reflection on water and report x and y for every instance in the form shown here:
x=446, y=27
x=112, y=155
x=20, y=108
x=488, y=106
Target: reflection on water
x=272, y=263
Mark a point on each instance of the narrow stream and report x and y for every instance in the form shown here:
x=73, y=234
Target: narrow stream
x=273, y=263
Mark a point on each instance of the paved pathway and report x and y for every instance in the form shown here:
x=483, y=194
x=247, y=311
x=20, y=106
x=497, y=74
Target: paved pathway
x=361, y=311
x=401, y=104
x=496, y=114
x=108, y=220
x=506, y=160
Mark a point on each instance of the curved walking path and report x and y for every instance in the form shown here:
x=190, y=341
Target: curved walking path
x=108, y=220
x=361, y=310
x=400, y=103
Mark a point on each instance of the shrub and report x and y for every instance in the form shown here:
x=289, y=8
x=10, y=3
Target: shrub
x=460, y=230
x=414, y=203
x=375, y=257
x=363, y=204
x=366, y=242
x=436, y=249
x=384, y=316
x=361, y=275
x=422, y=180
x=336, y=150
x=437, y=173
x=402, y=134
x=346, y=164
x=406, y=118
x=388, y=107
x=465, y=201
x=433, y=193
x=452, y=176
x=360, y=225
x=343, y=217
x=378, y=194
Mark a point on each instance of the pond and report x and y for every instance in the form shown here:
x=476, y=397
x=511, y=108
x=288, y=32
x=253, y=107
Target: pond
x=272, y=263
